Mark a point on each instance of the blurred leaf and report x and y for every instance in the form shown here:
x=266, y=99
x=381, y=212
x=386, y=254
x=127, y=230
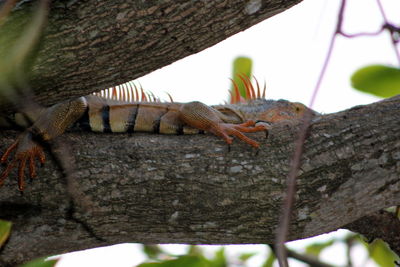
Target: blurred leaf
x=152, y=251
x=183, y=261
x=195, y=251
x=5, y=228
x=391, y=209
x=246, y=256
x=5, y=10
x=219, y=259
x=41, y=262
x=270, y=260
x=360, y=239
x=395, y=210
x=316, y=248
x=379, y=80
x=380, y=252
x=19, y=48
x=242, y=66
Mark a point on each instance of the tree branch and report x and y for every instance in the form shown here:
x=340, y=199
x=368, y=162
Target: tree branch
x=90, y=45
x=190, y=189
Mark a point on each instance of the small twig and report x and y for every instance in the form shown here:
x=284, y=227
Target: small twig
x=307, y=259
x=361, y=34
x=290, y=193
x=392, y=28
x=394, y=41
x=287, y=206
x=312, y=261
x=70, y=215
x=62, y=155
x=349, y=242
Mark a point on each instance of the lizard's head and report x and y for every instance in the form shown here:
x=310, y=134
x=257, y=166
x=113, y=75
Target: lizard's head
x=255, y=107
x=265, y=110
x=280, y=110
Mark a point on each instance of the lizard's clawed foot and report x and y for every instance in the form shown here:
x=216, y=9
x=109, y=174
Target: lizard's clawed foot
x=26, y=153
x=225, y=130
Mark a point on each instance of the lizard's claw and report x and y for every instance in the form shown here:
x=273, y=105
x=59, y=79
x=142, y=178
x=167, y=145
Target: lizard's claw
x=225, y=130
x=26, y=152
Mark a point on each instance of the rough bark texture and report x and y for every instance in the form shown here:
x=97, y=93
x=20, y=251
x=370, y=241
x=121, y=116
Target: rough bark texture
x=190, y=189
x=92, y=45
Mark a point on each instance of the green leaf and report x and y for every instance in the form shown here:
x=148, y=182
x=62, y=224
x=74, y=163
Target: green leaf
x=316, y=248
x=5, y=228
x=360, y=239
x=183, y=261
x=246, y=256
x=195, y=251
x=152, y=251
x=379, y=80
x=380, y=252
x=270, y=260
x=219, y=259
x=41, y=262
x=241, y=66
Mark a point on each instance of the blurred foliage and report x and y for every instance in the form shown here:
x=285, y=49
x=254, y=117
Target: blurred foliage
x=377, y=251
x=41, y=262
x=182, y=261
x=380, y=252
x=379, y=80
x=270, y=260
x=152, y=251
x=5, y=228
x=194, y=257
x=19, y=44
x=245, y=256
x=316, y=248
x=241, y=66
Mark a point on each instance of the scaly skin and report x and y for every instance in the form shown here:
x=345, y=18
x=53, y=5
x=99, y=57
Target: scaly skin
x=104, y=115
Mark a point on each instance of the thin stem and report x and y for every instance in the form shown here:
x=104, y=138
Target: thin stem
x=394, y=41
x=310, y=260
x=283, y=229
x=360, y=34
x=287, y=207
x=307, y=259
x=324, y=67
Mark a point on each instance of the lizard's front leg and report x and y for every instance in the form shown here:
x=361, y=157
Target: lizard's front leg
x=203, y=117
x=51, y=123
x=26, y=151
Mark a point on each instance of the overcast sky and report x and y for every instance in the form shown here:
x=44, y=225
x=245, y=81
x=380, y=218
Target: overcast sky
x=287, y=51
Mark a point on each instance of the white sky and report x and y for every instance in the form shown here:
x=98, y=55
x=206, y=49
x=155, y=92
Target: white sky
x=287, y=51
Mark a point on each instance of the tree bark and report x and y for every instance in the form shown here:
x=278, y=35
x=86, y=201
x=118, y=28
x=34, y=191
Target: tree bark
x=92, y=45
x=190, y=189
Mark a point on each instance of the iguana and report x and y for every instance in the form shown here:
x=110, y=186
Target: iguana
x=100, y=114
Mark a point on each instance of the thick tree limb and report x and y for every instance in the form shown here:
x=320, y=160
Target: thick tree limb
x=92, y=45
x=190, y=189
